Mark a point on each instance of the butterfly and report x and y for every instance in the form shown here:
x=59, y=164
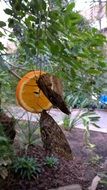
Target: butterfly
x=45, y=83
x=53, y=138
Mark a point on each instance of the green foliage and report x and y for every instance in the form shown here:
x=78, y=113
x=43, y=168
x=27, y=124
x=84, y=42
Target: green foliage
x=71, y=47
x=103, y=176
x=51, y=161
x=95, y=159
x=8, y=81
x=2, y=24
x=7, y=88
x=28, y=134
x=82, y=100
x=53, y=37
x=85, y=117
x=6, y=154
x=26, y=167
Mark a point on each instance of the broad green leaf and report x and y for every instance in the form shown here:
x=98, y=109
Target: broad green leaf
x=2, y=24
x=43, y=5
x=1, y=46
x=32, y=18
x=11, y=22
x=69, y=7
x=1, y=34
x=102, y=64
x=94, y=71
x=8, y=11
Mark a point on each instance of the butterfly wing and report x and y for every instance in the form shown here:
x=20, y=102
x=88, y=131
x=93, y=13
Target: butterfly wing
x=45, y=84
x=53, y=138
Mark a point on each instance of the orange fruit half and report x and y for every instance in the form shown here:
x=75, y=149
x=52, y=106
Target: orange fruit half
x=28, y=94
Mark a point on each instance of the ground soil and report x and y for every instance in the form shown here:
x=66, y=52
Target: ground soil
x=79, y=171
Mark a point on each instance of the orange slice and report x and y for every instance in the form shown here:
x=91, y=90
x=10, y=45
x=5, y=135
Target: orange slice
x=28, y=94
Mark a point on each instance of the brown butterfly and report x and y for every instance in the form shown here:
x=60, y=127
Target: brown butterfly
x=54, y=95
x=53, y=138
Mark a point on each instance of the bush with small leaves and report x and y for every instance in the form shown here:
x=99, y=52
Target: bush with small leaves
x=51, y=161
x=26, y=167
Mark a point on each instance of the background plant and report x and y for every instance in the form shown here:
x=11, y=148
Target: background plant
x=103, y=176
x=51, y=161
x=28, y=133
x=59, y=40
x=95, y=159
x=26, y=167
x=84, y=117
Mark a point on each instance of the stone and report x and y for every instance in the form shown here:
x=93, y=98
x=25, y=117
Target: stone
x=69, y=187
x=95, y=182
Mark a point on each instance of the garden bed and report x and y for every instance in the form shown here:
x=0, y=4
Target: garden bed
x=79, y=171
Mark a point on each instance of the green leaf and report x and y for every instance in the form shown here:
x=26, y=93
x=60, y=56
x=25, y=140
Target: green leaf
x=11, y=22
x=8, y=11
x=94, y=71
x=32, y=18
x=70, y=7
x=102, y=63
x=43, y=5
x=1, y=34
x=2, y=24
x=97, y=126
x=1, y=46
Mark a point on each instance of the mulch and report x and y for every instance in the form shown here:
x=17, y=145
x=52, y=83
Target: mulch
x=78, y=171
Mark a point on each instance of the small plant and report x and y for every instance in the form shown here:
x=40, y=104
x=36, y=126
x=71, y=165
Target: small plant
x=26, y=167
x=95, y=159
x=51, y=161
x=103, y=178
x=28, y=134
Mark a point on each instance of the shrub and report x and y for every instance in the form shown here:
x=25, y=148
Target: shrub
x=51, y=161
x=26, y=167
